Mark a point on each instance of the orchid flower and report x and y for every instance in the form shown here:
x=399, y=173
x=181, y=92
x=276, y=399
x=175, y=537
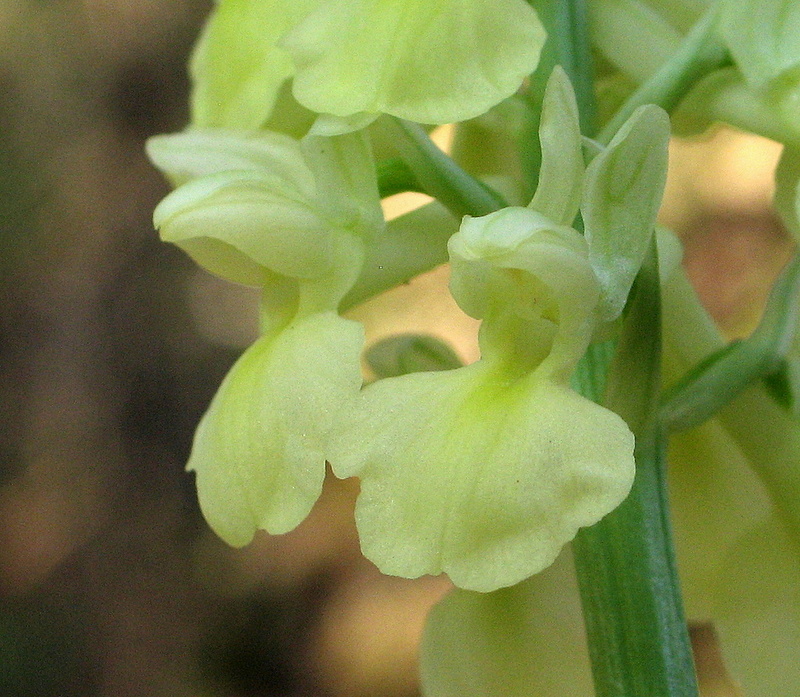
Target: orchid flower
x=484, y=472
x=728, y=528
x=292, y=218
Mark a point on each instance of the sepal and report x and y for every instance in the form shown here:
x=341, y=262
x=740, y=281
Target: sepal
x=622, y=193
x=287, y=207
x=184, y=156
x=239, y=224
x=558, y=195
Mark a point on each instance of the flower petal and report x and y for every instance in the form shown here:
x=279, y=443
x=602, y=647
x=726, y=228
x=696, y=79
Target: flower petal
x=622, y=194
x=254, y=218
x=465, y=474
x=237, y=70
x=757, y=611
x=290, y=208
x=525, y=640
x=519, y=264
x=260, y=450
x=430, y=61
x=191, y=154
x=558, y=195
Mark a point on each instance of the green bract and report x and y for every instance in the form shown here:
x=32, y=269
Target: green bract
x=430, y=62
x=293, y=218
x=758, y=93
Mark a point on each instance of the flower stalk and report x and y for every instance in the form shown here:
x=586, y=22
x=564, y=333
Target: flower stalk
x=637, y=633
x=636, y=629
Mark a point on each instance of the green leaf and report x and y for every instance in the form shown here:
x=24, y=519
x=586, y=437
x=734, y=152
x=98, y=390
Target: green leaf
x=622, y=194
x=765, y=432
x=260, y=450
x=429, y=61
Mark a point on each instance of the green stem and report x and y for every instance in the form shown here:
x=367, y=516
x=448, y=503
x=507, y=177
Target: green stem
x=723, y=375
x=440, y=177
x=700, y=53
x=637, y=634
x=636, y=629
x=568, y=45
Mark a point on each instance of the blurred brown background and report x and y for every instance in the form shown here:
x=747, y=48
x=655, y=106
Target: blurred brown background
x=111, y=346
